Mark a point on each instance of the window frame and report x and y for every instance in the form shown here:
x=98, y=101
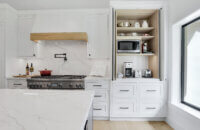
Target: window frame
x=183, y=63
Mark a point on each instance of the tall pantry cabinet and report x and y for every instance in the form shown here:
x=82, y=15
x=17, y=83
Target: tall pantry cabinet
x=134, y=98
x=8, y=38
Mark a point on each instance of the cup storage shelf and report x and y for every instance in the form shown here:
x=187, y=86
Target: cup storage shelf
x=134, y=29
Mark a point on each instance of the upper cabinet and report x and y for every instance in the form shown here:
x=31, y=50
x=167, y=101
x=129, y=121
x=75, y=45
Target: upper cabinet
x=25, y=45
x=98, y=36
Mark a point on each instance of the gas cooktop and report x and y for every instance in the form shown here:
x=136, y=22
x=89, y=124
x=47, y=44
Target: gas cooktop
x=57, y=77
x=57, y=82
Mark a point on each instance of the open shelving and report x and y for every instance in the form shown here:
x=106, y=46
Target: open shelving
x=135, y=54
x=133, y=29
x=152, y=39
x=143, y=38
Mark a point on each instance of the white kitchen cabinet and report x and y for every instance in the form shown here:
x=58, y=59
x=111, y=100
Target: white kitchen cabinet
x=8, y=44
x=26, y=47
x=139, y=98
x=101, y=97
x=16, y=83
x=98, y=45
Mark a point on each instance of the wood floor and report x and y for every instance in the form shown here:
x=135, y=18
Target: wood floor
x=130, y=125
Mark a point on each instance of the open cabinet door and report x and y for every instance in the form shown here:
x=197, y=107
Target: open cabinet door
x=163, y=46
x=2, y=55
x=113, y=44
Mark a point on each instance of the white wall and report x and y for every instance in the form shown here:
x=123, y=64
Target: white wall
x=177, y=115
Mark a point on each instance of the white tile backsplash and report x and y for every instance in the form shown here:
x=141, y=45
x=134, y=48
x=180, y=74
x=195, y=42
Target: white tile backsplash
x=139, y=62
x=77, y=63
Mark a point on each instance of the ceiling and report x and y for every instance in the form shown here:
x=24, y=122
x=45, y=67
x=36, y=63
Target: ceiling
x=56, y=4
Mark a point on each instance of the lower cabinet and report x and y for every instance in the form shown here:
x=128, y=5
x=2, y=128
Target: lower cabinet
x=101, y=97
x=16, y=83
x=137, y=99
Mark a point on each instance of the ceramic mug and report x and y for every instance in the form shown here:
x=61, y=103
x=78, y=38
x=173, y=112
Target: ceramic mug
x=145, y=24
x=137, y=25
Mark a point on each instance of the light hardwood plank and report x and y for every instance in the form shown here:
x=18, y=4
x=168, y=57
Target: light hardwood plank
x=59, y=36
x=131, y=125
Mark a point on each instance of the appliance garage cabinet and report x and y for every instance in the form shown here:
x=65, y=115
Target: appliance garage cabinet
x=131, y=36
x=136, y=41
x=101, y=86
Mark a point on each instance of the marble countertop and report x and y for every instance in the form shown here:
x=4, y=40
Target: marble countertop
x=98, y=78
x=44, y=109
x=137, y=80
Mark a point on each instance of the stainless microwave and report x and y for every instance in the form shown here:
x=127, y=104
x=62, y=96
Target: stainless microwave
x=128, y=46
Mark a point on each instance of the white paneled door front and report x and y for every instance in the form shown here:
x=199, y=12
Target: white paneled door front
x=25, y=45
x=98, y=40
x=2, y=55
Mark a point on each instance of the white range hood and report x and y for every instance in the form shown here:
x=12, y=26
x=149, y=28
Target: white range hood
x=58, y=27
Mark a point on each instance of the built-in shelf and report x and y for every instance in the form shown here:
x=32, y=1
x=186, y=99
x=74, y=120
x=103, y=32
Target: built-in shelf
x=135, y=54
x=150, y=35
x=133, y=29
x=135, y=37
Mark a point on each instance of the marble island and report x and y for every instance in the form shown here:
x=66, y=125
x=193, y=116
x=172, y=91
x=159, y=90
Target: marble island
x=44, y=109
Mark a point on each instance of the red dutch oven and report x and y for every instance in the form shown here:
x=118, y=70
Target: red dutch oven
x=45, y=72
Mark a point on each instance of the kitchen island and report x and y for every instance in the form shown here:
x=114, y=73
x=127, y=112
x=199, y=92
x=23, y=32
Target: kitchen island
x=44, y=109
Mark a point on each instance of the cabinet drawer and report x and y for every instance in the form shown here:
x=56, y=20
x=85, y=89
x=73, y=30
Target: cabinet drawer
x=124, y=91
x=97, y=85
x=100, y=95
x=17, y=84
x=148, y=91
x=100, y=110
x=150, y=109
x=126, y=108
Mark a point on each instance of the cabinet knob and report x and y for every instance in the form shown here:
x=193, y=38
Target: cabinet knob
x=89, y=54
x=33, y=54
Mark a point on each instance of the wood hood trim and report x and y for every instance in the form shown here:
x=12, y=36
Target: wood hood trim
x=81, y=36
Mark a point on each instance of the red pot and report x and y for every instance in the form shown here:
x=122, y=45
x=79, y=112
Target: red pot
x=45, y=72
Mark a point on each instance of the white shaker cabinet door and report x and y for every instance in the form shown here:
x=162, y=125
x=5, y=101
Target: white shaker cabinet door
x=98, y=34
x=25, y=45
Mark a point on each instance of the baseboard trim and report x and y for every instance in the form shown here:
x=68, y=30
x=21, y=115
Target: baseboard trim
x=173, y=124
x=138, y=119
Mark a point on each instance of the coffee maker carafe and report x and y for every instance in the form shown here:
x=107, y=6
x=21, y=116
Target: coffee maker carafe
x=128, y=69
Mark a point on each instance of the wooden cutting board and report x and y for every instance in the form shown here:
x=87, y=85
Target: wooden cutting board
x=24, y=76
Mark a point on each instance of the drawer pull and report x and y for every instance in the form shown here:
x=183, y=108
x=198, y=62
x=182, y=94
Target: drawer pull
x=17, y=84
x=97, y=109
x=150, y=108
x=98, y=96
x=151, y=90
x=124, y=90
x=123, y=108
x=97, y=85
